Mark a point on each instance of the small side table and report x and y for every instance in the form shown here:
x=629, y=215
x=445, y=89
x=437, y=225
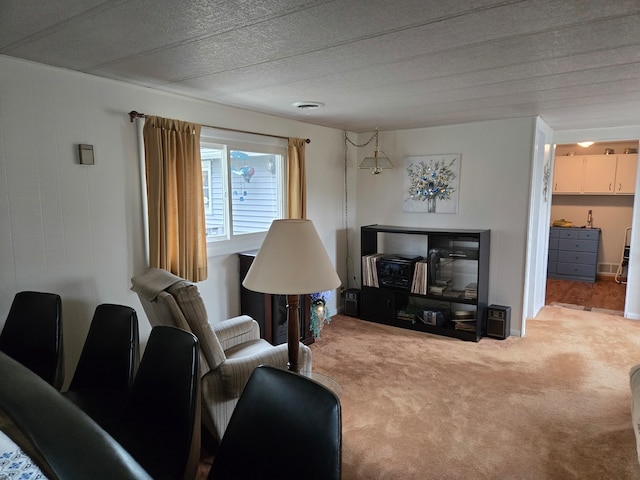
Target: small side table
x=325, y=381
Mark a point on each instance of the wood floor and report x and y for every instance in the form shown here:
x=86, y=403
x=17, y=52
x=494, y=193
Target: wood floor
x=605, y=293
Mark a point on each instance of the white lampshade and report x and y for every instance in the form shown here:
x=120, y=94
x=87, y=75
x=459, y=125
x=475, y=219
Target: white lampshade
x=291, y=261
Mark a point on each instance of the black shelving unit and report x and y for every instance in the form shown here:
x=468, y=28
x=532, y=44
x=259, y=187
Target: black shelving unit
x=466, y=256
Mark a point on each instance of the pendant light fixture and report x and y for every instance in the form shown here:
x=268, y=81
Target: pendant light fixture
x=378, y=161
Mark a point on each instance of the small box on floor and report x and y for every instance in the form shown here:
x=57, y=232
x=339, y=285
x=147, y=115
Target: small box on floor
x=352, y=302
x=498, y=321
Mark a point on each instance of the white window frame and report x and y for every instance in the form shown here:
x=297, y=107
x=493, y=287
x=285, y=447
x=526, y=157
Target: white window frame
x=208, y=194
x=229, y=242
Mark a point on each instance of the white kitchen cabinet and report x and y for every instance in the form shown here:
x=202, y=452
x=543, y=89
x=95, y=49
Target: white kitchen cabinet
x=568, y=173
x=626, y=171
x=599, y=174
x=595, y=174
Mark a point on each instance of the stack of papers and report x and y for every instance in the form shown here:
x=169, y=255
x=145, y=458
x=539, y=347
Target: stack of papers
x=471, y=291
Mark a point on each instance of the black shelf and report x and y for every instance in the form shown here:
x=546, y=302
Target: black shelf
x=382, y=304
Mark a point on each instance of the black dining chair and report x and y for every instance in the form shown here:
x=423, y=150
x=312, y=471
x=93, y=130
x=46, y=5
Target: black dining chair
x=108, y=363
x=161, y=426
x=32, y=335
x=284, y=426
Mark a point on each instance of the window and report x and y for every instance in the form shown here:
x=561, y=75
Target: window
x=243, y=183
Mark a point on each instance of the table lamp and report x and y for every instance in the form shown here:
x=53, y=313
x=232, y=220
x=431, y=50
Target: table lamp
x=292, y=261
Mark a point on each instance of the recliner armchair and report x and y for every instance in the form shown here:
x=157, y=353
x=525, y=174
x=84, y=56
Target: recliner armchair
x=230, y=350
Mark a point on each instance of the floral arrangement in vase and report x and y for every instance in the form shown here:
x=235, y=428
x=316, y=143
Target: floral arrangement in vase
x=319, y=311
x=431, y=181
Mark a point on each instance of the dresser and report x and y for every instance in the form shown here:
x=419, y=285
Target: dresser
x=573, y=253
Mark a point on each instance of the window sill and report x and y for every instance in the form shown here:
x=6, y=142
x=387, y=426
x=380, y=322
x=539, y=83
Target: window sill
x=240, y=243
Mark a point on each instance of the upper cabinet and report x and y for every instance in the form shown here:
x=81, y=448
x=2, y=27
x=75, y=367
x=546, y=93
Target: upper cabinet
x=595, y=174
x=568, y=174
x=599, y=174
x=626, y=171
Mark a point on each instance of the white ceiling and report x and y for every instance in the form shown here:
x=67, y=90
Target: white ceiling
x=391, y=64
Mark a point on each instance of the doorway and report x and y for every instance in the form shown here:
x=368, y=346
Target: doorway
x=583, y=196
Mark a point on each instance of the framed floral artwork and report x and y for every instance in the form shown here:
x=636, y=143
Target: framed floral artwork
x=431, y=183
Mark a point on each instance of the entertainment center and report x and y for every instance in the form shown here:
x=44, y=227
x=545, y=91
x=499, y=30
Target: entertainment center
x=430, y=280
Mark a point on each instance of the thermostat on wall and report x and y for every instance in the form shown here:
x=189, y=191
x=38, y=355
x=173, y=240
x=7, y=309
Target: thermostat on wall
x=86, y=154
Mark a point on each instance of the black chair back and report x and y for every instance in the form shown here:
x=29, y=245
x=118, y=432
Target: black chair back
x=64, y=442
x=111, y=352
x=284, y=426
x=32, y=335
x=161, y=429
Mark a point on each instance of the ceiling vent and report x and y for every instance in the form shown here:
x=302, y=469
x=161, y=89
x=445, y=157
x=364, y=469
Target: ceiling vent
x=308, y=105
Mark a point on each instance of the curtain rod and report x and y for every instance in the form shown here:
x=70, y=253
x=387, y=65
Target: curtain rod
x=133, y=114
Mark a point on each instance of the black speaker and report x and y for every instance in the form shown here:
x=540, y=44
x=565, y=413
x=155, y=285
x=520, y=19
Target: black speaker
x=352, y=302
x=498, y=321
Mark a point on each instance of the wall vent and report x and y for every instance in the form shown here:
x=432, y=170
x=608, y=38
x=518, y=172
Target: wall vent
x=607, y=268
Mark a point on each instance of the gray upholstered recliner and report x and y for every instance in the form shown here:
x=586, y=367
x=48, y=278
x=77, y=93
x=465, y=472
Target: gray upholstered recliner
x=230, y=350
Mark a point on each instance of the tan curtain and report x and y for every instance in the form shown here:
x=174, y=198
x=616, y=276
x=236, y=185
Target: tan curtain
x=296, y=180
x=177, y=235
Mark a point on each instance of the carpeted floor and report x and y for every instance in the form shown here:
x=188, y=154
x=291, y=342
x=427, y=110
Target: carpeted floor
x=552, y=405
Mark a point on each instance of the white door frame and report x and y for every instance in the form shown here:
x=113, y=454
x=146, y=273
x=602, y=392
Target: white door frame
x=632, y=301
x=538, y=227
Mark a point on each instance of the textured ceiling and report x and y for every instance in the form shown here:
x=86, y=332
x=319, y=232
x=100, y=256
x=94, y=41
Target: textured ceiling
x=391, y=64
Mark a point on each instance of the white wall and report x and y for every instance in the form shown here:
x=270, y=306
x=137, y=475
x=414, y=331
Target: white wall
x=77, y=230
x=494, y=193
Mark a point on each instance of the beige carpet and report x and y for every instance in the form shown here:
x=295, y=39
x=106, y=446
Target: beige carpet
x=552, y=405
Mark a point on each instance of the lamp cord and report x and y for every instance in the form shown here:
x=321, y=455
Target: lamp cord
x=346, y=210
x=347, y=141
